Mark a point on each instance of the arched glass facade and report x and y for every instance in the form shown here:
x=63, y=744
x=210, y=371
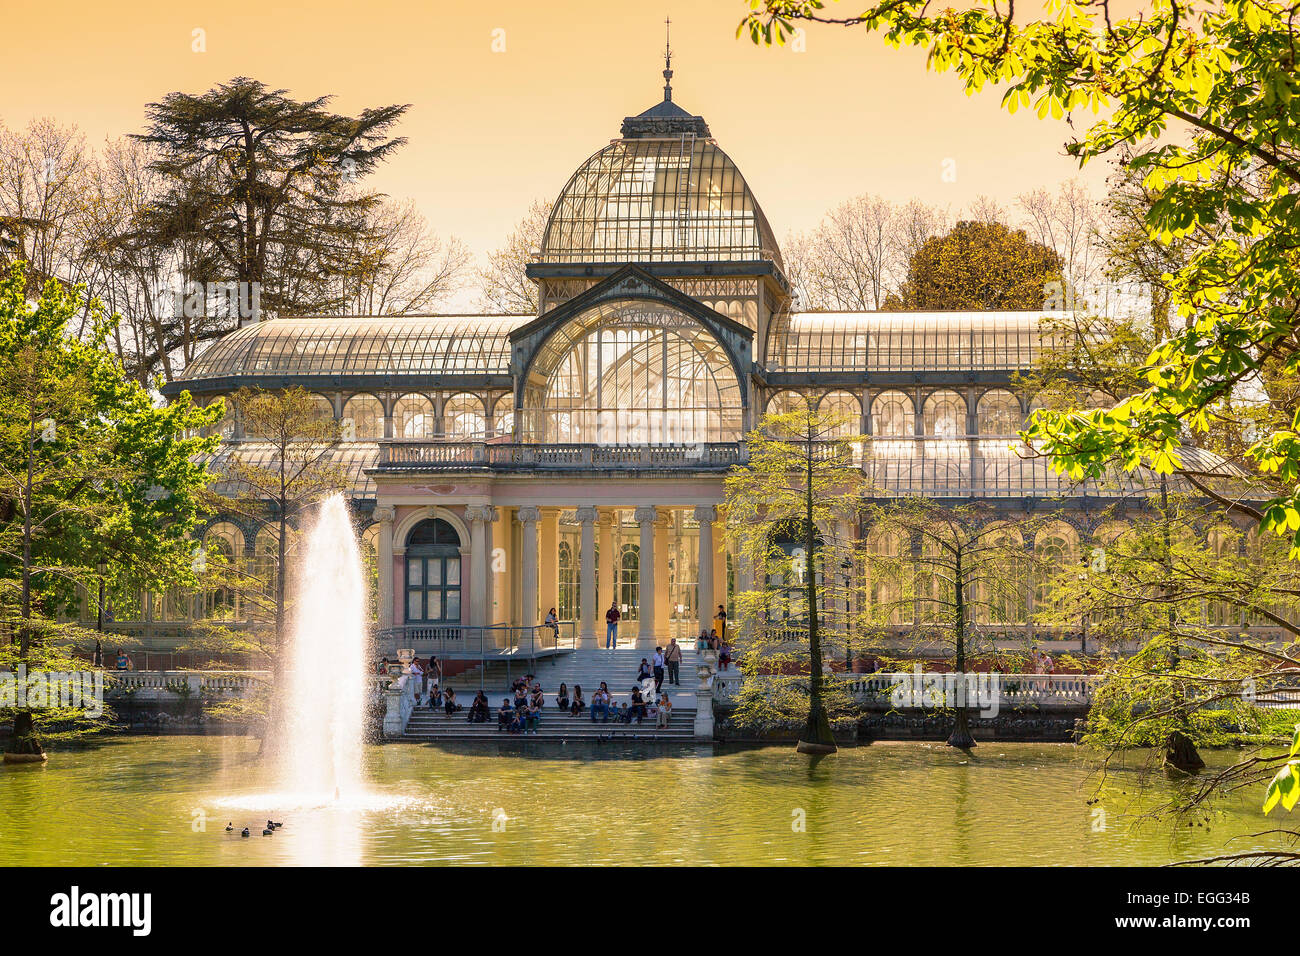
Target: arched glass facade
x=632, y=373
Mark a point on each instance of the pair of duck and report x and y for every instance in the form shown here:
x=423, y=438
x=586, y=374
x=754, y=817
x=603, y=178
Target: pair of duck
x=270, y=828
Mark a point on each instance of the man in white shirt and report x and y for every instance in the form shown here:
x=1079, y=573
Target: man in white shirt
x=657, y=664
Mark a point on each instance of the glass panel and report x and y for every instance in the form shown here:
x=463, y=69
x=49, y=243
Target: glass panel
x=453, y=571
x=414, y=606
x=434, y=572
x=435, y=605
x=453, y=606
x=414, y=572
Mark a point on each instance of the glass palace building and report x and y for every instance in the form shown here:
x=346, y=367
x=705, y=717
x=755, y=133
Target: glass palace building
x=506, y=464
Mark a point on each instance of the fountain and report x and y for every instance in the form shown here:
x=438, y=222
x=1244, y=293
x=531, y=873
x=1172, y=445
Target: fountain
x=324, y=666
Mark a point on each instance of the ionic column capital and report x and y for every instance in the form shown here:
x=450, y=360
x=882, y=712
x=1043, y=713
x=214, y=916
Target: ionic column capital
x=646, y=514
x=587, y=514
x=530, y=514
x=485, y=513
x=384, y=514
x=706, y=514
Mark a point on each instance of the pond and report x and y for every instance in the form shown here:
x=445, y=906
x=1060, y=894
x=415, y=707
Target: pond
x=168, y=800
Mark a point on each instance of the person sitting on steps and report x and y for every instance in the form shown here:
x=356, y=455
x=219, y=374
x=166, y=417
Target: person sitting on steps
x=506, y=715
x=579, y=705
x=562, y=698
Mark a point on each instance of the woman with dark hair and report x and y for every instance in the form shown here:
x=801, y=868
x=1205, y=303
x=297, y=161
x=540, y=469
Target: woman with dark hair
x=578, y=705
x=562, y=698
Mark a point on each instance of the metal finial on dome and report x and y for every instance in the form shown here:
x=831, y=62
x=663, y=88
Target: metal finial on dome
x=668, y=61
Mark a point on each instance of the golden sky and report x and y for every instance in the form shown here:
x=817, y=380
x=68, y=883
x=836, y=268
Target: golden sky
x=491, y=131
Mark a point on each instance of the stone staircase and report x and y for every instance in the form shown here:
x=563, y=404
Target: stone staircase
x=587, y=668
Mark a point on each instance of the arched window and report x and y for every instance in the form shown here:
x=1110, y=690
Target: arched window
x=413, y=417
x=503, y=417
x=892, y=416
x=225, y=428
x=1223, y=542
x=223, y=546
x=363, y=418
x=370, y=567
x=433, y=573
x=944, y=415
x=629, y=578
x=632, y=372
x=999, y=413
x=1003, y=582
x=322, y=407
x=888, y=578
x=782, y=403
x=1054, y=554
x=842, y=405
x=463, y=418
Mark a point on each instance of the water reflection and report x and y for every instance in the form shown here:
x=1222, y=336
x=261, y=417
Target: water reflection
x=168, y=800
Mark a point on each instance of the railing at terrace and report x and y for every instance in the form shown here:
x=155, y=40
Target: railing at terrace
x=422, y=455
x=1014, y=690
x=959, y=467
x=208, y=683
x=461, y=642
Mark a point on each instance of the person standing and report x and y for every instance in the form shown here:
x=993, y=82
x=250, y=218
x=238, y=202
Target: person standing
x=720, y=623
x=612, y=617
x=657, y=662
x=673, y=658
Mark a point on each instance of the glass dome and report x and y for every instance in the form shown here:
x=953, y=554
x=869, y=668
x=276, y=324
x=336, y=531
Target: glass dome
x=669, y=199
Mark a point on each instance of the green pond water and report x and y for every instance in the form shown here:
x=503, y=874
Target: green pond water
x=167, y=800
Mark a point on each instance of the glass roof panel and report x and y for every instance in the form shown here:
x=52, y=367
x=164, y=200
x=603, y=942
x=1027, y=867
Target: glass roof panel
x=906, y=341
x=361, y=345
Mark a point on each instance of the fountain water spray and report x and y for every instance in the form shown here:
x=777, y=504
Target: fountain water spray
x=324, y=667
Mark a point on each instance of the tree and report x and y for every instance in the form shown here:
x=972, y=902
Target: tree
x=399, y=266
x=785, y=508
x=958, y=566
x=1168, y=593
x=979, y=265
x=263, y=178
x=283, y=469
x=1199, y=102
x=90, y=471
x=506, y=287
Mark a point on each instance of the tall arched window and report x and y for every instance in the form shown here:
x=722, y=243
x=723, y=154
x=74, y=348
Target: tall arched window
x=999, y=413
x=892, y=416
x=223, y=546
x=568, y=609
x=888, y=579
x=944, y=414
x=413, y=417
x=843, y=405
x=433, y=573
x=503, y=417
x=1054, y=554
x=363, y=418
x=463, y=418
x=1003, y=584
x=629, y=578
x=633, y=372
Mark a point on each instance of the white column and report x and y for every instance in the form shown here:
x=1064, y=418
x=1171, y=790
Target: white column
x=587, y=581
x=705, y=515
x=480, y=575
x=528, y=517
x=645, y=517
x=384, y=558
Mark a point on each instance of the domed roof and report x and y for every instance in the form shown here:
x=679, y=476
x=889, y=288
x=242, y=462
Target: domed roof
x=664, y=192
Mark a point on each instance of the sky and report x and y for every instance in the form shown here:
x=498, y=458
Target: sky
x=492, y=129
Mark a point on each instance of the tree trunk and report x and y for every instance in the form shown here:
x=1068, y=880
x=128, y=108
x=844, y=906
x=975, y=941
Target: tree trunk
x=960, y=737
x=1181, y=753
x=817, y=737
